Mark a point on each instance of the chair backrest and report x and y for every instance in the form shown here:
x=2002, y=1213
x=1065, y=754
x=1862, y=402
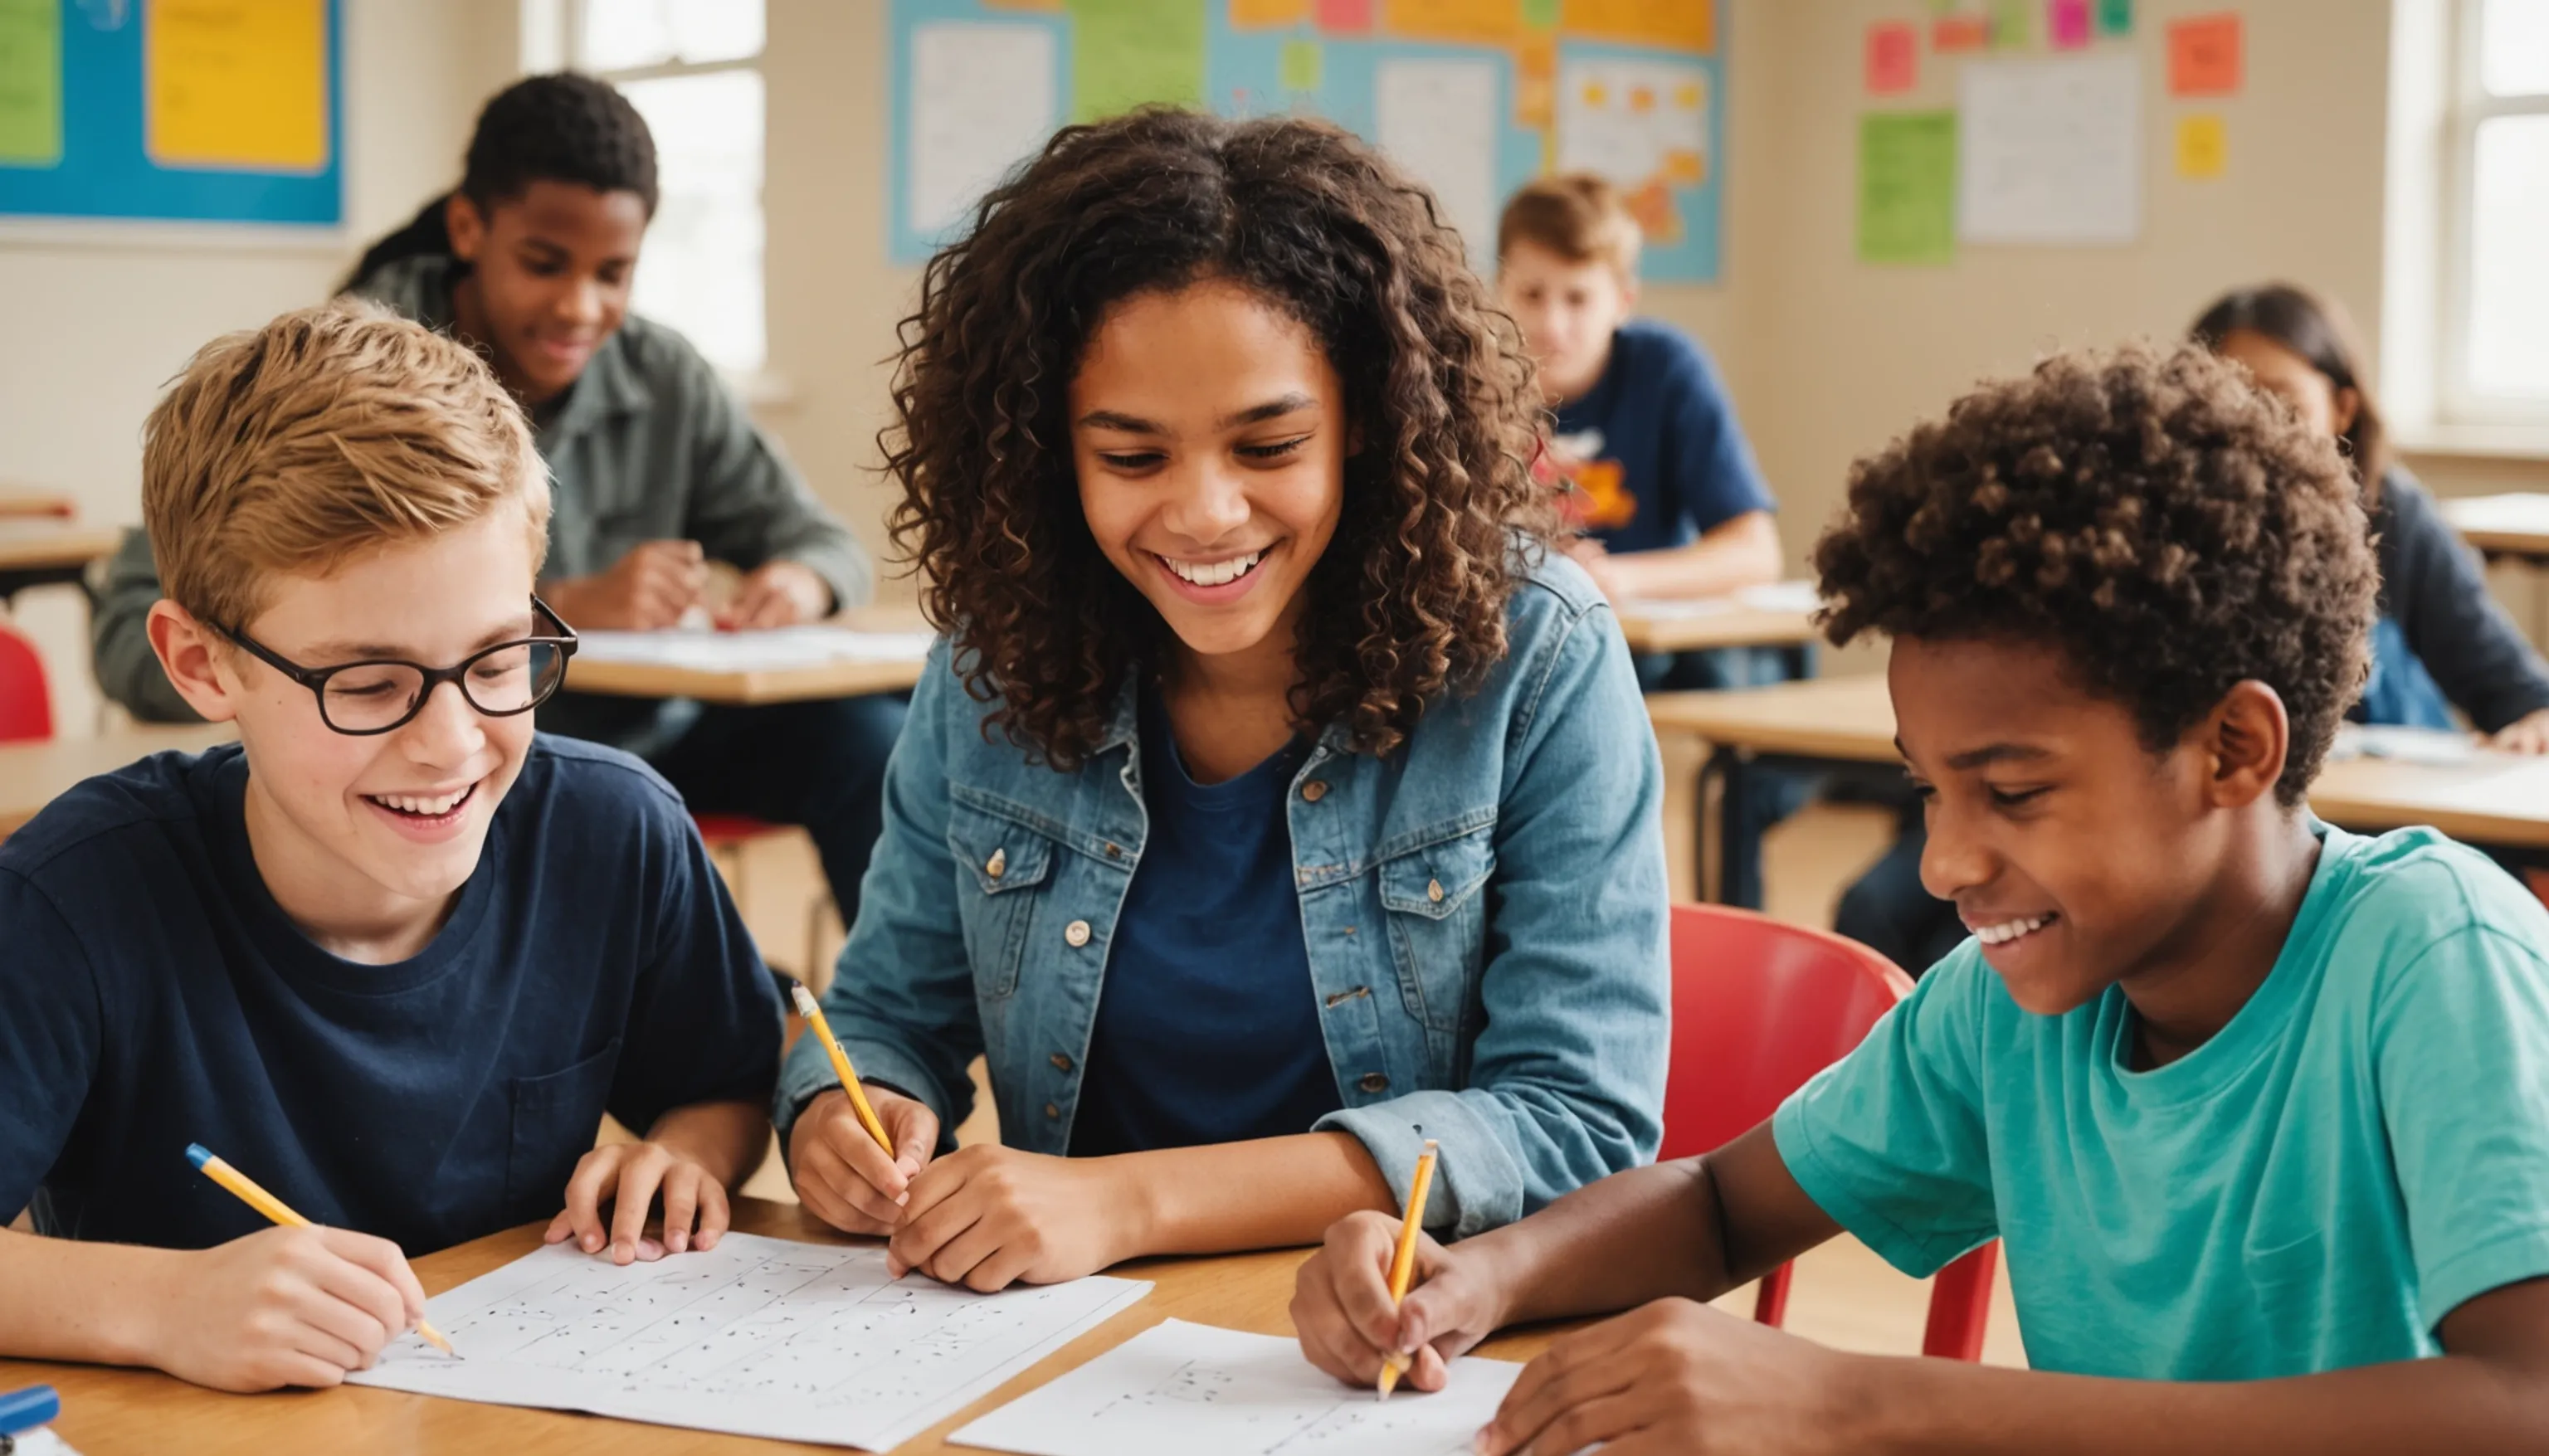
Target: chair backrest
x=25, y=702
x=1760, y=1006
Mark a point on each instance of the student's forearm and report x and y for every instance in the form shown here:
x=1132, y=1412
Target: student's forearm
x=1271, y=1192
x=1566, y=1259
x=728, y=1139
x=1741, y=552
x=64, y=1300
x=2459, y=1403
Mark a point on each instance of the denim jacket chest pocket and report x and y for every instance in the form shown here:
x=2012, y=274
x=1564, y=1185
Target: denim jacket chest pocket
x=1000, y=866
x=1435, y=896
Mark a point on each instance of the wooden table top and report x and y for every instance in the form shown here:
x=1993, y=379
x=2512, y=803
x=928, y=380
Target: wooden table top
x=108, y=1412
x=2514, y=524
x=1650, y=630
x=18, y=502
x=33, y=774
x=53, y=545
x=748, y=686
x=2492, y=800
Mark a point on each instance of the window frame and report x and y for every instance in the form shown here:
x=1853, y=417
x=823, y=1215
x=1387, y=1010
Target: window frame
x=2469, y=106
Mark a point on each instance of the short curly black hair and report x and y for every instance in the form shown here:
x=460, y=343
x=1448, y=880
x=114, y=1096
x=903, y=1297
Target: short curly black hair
x=2147, y=510
x=563, y=127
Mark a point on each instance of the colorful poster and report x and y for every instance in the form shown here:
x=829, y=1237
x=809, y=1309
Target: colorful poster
x=31, y=83
x=236, y=84
x=1893, y=58
x=2203, y=146
x=2204, y=55
x=1474, y=96
x=1907, y=187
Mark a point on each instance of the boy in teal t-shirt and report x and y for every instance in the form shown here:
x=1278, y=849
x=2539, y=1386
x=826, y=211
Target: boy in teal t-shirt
x=2251, y=1101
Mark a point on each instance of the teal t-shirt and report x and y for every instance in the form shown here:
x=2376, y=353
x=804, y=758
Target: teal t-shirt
x=2362, y=1148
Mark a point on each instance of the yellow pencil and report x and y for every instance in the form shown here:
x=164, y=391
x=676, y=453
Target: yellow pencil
x=1403, y=1267
x=809, y=1009
x=248, y=1192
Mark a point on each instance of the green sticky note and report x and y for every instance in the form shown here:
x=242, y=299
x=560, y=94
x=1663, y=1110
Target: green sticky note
x=1300, y=65
x=1126, y=53
x=1541, y=15
x=2011, y=22
x=1907, y=187
x=30, y=82
x=2115, y=17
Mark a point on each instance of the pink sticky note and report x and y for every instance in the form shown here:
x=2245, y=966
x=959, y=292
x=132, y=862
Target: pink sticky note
x=1893, y=58
x=1345, y=15
x=2069, y=24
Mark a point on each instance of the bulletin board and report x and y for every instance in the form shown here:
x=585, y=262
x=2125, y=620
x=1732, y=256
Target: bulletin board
x=186, y=111
x=1475, y=96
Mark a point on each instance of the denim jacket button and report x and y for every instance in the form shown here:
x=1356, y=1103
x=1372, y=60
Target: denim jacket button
x=1314, y=790
x=998, y=865
x=1434, y=891
x=1061, y=1063
x=1373, y=1082
x=1077, y=932
x=1052, y=1112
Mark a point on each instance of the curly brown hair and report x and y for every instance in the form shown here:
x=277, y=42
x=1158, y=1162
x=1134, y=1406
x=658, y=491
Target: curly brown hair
x=1408, y=601
x=2148, y=510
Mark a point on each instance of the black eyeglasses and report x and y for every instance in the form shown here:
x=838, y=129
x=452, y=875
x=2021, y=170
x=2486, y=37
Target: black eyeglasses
x=382, y=696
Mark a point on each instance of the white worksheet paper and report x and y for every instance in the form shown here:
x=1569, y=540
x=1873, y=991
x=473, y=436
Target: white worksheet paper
x=770, y=650
x=1179, y=1389
x=757, y=1336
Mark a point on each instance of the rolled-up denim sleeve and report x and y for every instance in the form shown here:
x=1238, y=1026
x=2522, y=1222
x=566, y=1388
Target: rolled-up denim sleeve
x=1567, y=1079
x=902, y=998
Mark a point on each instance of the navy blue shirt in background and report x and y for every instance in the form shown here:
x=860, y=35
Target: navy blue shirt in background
x=1664, y=459
x=1208, y=1026
x=153, y=995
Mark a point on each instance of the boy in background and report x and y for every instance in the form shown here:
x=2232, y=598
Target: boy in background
x=391, y=954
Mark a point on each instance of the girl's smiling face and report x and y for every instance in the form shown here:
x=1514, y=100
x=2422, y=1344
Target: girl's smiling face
x=1209, y=439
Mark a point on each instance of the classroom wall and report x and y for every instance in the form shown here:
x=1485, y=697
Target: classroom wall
x=99, y=319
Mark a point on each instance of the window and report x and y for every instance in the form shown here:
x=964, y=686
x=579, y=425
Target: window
x=2496, y=335
x=691, y=68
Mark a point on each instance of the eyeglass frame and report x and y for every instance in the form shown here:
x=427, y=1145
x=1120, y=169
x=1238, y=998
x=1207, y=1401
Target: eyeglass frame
x=315, y=679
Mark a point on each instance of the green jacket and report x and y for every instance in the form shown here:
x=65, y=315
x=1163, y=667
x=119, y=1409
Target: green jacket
x=648, y=445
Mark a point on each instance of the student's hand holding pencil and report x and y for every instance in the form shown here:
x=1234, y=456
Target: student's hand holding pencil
x=280, y=1306
x=1349, y=1325
x=841, y=1172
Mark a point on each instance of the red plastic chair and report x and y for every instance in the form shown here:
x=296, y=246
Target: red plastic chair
x=1760, y=1006
x=25, y=702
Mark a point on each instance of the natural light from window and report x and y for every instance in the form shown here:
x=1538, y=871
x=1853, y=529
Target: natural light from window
x=2507, y=299
x=689, y=67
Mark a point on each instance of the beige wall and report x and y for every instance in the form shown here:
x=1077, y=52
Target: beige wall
x=98, y=319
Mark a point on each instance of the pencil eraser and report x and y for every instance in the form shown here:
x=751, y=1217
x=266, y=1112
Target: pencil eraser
x=198, y=1154
x=804, y=1000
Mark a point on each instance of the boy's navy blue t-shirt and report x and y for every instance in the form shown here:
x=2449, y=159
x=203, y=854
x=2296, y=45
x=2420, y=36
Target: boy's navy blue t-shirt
x=1208, y=1026
x=1664, y=458
x=154, y=994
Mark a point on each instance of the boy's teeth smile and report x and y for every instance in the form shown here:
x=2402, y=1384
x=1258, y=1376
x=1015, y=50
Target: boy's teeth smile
x=422, y=807
x=1212, y=573
x=2010, y=930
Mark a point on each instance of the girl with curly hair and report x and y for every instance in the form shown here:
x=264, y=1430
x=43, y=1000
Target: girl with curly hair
x=1277, y=801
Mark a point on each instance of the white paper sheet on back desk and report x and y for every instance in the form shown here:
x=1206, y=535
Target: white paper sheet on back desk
x=758, y=1336
x=1179, y=1389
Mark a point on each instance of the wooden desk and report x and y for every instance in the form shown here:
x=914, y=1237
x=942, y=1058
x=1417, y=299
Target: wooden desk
x=33, y=775
x=109, y=1411
x=748, y=686
x=1738, y=626
x=2516, y=525
x=2493, y=799
x=17, y=503
x=38, y=553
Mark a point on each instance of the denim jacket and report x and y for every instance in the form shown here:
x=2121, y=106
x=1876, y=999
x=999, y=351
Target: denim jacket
x=1485, y=911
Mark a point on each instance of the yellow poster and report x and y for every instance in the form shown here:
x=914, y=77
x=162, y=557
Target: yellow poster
x=236, y=83
x=1678, y=25
x=1490, y=22
x=1254, y=15
x=2203, y=146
